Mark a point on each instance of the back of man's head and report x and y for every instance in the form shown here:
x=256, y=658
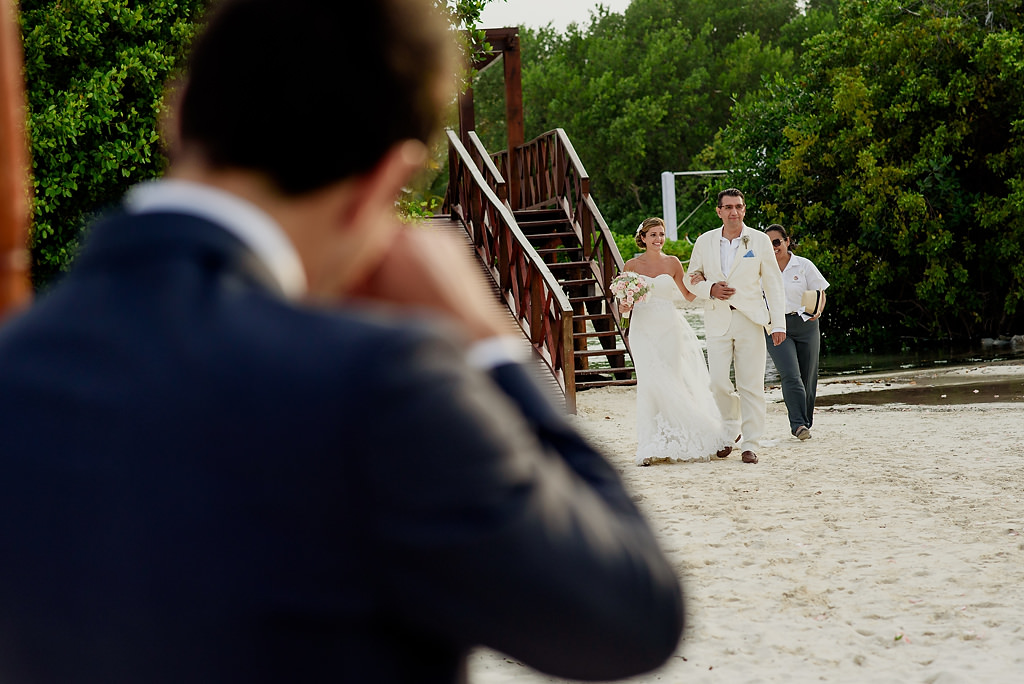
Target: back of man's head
x=309, y=92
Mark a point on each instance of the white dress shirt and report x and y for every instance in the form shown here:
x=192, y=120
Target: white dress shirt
x=800, y=276
x=728, y=249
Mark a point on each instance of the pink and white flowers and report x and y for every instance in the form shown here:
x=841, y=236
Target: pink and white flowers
x=629, y=288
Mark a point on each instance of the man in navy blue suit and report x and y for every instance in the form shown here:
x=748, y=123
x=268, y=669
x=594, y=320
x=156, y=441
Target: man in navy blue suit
x=264, y=433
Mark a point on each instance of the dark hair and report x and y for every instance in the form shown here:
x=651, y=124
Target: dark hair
x=785, y=236
x=642, y=231
x=730, y=192
x=312, y=91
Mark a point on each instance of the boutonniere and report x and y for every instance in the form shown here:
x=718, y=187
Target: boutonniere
x=746, y=241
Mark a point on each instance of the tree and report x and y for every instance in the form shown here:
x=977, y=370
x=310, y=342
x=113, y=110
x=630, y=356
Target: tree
x=896, y=156
x=642, y=92
x=95, y=73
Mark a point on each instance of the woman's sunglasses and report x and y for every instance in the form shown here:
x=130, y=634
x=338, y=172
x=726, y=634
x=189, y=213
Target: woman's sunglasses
x=776, y=242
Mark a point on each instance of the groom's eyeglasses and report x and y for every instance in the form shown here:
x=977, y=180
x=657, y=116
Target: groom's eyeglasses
x=730, y=207
x=776, y=242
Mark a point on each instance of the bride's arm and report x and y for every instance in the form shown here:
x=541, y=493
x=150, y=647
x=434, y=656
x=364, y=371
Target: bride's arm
x=628, y=266
x=677, y=275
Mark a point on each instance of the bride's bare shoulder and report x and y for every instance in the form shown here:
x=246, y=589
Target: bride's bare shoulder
x=673, y=264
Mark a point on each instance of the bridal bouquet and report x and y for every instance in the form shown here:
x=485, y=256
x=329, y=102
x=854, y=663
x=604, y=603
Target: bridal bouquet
x=629, y=288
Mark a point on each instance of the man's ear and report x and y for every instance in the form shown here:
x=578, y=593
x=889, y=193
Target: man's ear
x=377, y=190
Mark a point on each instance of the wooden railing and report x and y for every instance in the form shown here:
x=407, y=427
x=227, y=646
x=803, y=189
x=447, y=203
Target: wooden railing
x=550, y=174
x=476, y=191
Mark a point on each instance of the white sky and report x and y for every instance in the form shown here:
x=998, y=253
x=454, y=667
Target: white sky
x=537, y=13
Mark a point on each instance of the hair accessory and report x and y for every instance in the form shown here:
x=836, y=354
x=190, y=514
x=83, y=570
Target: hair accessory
x=639, y=228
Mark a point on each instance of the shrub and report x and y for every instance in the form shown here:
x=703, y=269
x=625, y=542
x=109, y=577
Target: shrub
x=95, y=72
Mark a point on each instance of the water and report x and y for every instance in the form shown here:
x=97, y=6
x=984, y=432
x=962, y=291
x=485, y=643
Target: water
x=933, y=356
x=852, y=364
x=935, y=392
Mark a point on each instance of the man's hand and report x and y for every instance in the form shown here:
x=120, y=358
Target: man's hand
x=430, y=271
x=721, y=290
x=778, y=338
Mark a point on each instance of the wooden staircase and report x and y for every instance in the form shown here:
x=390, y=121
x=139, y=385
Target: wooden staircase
x=542, y=240
x=477, y=200
x=457, y=232
x=600, y=352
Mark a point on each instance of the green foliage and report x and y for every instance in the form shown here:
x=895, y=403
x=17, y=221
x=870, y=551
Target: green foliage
x=643, y=92
x=896, y=156
x=464, y=15
x=628, y=248
x=678, y=248
x=95, y=71
x=422, y=199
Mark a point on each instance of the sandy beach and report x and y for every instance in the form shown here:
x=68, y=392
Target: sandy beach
x=888, y=548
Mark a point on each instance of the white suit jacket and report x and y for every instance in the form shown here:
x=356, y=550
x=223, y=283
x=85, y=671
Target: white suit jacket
x=755, y=275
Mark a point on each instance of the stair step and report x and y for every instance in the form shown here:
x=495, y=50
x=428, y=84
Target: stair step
x=603, y=333
x=558, y=251
x=543, y=223
x=577, y=283
x=561, y=235
x=604, y=383
x=602, y=371
x=587, y=298
x=528, y=215
x=570, y=264
x=599, y=352
x=591, y=317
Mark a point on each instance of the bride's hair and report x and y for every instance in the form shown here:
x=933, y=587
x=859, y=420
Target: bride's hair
x=641, y=230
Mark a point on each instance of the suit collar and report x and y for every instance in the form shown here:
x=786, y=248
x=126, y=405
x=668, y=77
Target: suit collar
x=746, y=230
x=121, y=240
x=250, y=224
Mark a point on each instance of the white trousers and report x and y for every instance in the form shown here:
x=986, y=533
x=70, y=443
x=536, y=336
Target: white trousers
x=743, y=406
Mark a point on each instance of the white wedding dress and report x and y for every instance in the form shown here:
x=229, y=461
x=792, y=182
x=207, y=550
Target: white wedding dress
x=676, y=416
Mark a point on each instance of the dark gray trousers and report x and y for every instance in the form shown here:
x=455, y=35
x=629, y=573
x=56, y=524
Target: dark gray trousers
x=796, y=359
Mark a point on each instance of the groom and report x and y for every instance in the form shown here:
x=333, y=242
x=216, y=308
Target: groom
x=743, y=293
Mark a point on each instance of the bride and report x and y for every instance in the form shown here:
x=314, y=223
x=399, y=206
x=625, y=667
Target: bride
x=676, y=416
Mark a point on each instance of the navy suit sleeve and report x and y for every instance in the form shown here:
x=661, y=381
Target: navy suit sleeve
x=499, y=525
x=548, y=422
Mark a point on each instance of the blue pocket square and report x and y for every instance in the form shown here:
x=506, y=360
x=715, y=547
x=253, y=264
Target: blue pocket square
x=749, y=254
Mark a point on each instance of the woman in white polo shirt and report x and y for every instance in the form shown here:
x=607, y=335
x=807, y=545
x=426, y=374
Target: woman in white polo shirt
x=796, y=358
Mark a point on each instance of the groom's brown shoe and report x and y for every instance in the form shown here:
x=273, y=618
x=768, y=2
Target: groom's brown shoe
x=749, y=457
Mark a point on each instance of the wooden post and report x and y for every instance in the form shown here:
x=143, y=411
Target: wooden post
x=514, y=116
x=15, y=291
x=467, y=116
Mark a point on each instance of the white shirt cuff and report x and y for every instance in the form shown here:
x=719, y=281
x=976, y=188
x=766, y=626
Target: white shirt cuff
x=498, y=351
